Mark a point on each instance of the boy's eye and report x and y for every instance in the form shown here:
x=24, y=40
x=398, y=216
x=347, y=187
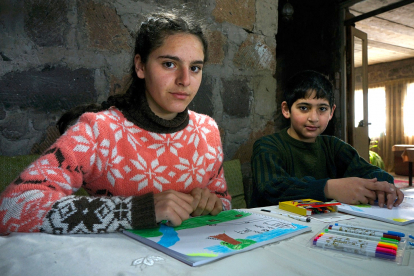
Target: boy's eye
x=169, y=64
x=323, y=109
x=196, y=69
x=303, y=108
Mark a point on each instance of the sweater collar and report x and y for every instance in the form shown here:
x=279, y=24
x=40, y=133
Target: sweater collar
x=141, y=115
x=298, y=143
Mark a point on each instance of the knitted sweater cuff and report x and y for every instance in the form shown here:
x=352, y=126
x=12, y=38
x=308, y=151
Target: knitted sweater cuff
x=318, y=189
x=143, y=212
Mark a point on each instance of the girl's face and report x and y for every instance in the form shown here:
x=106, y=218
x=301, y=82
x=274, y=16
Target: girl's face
x=172, y=74
x=308, y=117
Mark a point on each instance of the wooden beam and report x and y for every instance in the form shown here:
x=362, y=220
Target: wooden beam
x=390, y=47
x=377, y=11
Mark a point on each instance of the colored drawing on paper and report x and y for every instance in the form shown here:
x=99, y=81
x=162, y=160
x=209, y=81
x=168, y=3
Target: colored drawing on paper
x=193, y=223
x=399, y=219
x=226, y=239
x=356, y=208
x=201, y=239
x=242, y=243
x=360, y=208
x=209, y=255
x=363, y=206
x=212, y=220
x=403, y=214
x=169, y=237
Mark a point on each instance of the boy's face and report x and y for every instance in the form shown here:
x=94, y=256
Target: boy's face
x=308, y=117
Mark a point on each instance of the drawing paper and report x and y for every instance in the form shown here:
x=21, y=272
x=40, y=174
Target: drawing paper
x=204, y=239
x=401, y=215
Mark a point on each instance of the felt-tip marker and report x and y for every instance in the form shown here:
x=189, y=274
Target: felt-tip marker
x=368, y=231
x=306, y=219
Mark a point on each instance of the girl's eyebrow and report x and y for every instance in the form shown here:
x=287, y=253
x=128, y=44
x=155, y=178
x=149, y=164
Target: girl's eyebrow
x=178, y=59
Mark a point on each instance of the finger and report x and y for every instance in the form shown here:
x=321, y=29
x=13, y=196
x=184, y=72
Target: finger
x=172, y=212
x=210, y=204
x=169, y=197
x=381, y=199
x=371, y=201
x=186, y=197
x=172, y=218
x=369, y=195
x=172, y=193
x=196, y=194
x=380, y=186
x=218, y=207
x=391, y=197
x=204, y=196
x=400, y=197
x=363, y=200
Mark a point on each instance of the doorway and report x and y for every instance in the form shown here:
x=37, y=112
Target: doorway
x=357, y=83
x=390, y=32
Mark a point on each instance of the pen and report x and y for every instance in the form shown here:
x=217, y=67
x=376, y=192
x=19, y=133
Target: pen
x=354, y=246
x=363, y=231
x=372, y=232
x=306, y=219
x=354, y=235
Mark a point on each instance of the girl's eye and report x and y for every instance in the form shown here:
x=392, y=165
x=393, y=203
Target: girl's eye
x=169, y=64
x=196, y=69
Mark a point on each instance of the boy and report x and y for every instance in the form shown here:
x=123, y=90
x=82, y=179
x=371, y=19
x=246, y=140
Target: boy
x=299, y=163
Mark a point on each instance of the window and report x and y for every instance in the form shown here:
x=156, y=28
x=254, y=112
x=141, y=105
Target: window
x=408, y=109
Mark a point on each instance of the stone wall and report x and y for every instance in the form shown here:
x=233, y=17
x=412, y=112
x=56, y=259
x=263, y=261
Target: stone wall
x=401, y=69
x=55, y=55
x=388, y=71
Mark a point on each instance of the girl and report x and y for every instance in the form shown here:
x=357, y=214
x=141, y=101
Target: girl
x=142, y=156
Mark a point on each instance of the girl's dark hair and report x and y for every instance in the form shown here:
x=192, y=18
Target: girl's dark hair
x=150, y=36
x=304, y=83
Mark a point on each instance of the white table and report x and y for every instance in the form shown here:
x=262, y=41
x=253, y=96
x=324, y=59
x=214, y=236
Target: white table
x=113, y=254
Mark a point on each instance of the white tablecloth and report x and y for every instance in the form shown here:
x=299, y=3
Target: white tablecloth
x=113, y=254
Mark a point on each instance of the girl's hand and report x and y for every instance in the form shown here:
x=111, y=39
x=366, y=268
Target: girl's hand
x=173, y=206
x=205, y=202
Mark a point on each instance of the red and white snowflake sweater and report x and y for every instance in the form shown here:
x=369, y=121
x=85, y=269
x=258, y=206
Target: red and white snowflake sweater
x=120, y=165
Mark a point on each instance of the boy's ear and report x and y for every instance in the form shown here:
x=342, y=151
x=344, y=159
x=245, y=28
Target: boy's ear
x=139, y=66
x=332, y=112
x=285, y=110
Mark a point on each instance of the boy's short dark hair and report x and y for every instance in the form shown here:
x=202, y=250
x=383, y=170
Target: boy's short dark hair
x=305, y=82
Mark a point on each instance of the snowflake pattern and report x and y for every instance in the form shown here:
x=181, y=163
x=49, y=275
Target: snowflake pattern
x=170, y=142
x=191, y=168
x=43, y=169
x=127, y=128
x=84, y=144
x=111, y=167
x=149, y=174
x=197, y=129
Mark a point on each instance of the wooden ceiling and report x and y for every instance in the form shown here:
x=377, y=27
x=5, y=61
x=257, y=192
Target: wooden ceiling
x=390, y=33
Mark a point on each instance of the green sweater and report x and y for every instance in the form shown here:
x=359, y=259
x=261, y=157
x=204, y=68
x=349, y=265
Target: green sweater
x=287, y=169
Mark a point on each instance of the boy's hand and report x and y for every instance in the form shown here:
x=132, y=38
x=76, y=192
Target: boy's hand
x=355, y=190
x=392, y=199
x=205, y=202
x=173, y=206
x=351, y=190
